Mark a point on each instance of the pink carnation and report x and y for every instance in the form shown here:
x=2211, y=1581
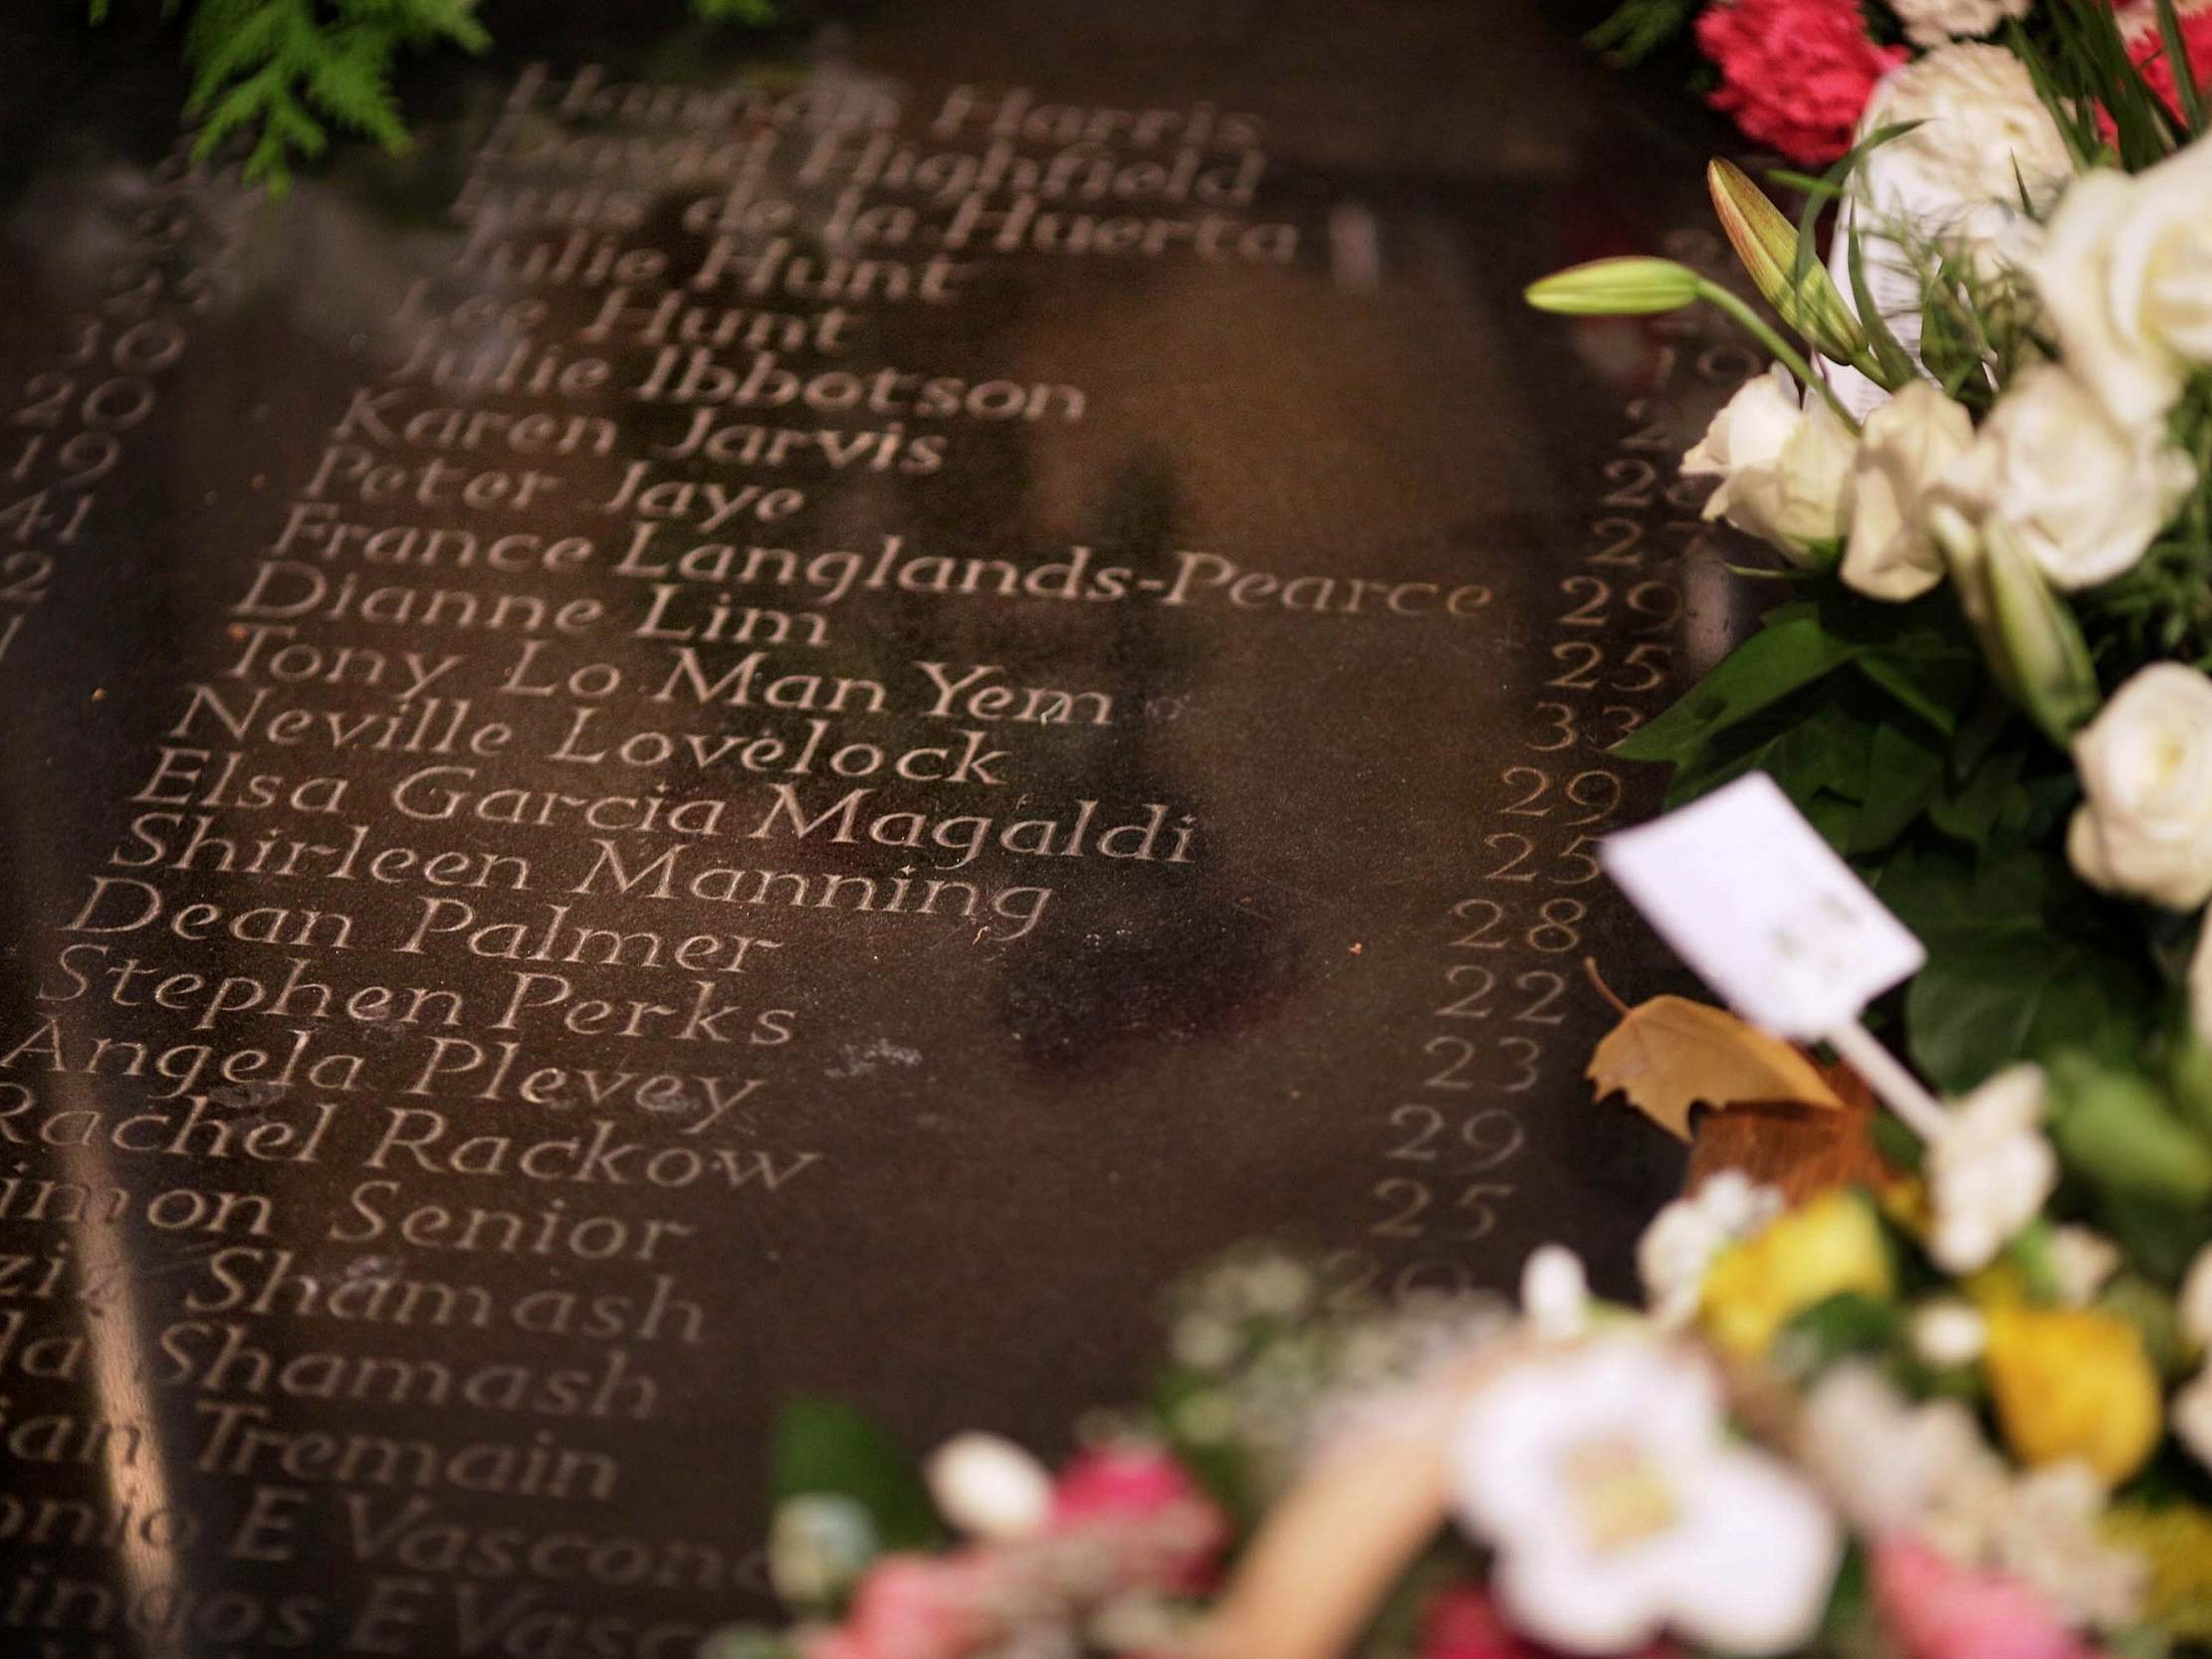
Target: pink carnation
x=1932, y=1610
x=1172, y=1530
x=1795, y=73
x=1121, y=1483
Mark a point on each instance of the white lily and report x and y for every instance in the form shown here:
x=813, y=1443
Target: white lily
x=1603, y=1476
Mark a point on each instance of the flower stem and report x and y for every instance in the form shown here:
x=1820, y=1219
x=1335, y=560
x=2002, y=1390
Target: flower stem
x=1786, y=354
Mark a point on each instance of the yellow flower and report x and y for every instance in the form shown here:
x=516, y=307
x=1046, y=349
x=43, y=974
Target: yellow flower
x=1827, y=1247
x=2072, y=1382
x=2176, y=1544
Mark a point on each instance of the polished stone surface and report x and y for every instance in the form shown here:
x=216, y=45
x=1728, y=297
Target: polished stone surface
x=1218, y=585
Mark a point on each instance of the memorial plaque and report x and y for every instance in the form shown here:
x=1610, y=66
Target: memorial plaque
x=793, y=712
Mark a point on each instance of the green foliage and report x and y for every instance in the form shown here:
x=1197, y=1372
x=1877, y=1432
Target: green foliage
x=1880, y=721
x=824, y=1447
x=285, y=71
x=1640, y=27
x=2080, y=62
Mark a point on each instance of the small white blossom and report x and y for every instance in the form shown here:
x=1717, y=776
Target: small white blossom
x=1603, y=1477
x=1555, y=1293
x=2144, y=828
x=1683, y=1238
x=2082, y=1260
x=1949, y=1333
x=1894, y=1467
x=2191, y=1417
x=988, y=1486
x=1930, y=23
x=2049, y=1535
x=1989, y=1169
x=1782, y=460
x=2194, y=1309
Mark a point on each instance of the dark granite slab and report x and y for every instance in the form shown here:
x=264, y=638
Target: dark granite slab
x=789, y=713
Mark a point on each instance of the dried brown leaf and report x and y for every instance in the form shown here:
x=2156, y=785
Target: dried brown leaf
x=1670, y=1055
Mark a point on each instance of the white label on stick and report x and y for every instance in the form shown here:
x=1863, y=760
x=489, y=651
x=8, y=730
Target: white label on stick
x=1750, y=894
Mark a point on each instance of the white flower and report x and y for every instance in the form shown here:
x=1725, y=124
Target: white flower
x=2047, y=1533
x=1989, y=1169
x=1934, y=22
x=1983, y=134
x=2082, y=1260
x=2191, y=1417
x=1893, y=1467
x=2126, y=277
x=1908, y=443
x=2200, y=986
x=2194, y=1310
x=1781, y=461
x=989, y=1488
x=1684, y=1237
x=1603, y=1477
x=2085, y=496
x=1949, y=1333
x=1555, y=1293
x=1955, y=179
x=2145, y=826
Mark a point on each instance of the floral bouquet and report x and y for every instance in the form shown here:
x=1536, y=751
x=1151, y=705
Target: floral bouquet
x=1796, y=74
x=1958, y=1403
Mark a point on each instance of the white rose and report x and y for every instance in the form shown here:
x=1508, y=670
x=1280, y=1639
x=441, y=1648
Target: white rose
x=1908, y=443
x=2085, y=496
x=1937, y=22
x=1781, y=461
x=1955, y=179
x=2146, y=761
x=2193, y=1308
x=2126, y=278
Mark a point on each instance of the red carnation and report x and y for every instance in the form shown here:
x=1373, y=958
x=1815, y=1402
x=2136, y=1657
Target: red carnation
x=1795, y=73
x=2148, y=48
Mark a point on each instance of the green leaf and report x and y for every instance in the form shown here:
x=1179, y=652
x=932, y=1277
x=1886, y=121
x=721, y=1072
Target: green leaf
x=2022, y=963
x=1902, y=776
x=1846, y=1324
x=1792, y=651
x=1971, y=810
x=1895, y=361
x=824, y=1446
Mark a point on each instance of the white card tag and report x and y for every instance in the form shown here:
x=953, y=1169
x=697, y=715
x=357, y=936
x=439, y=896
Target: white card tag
x=1750, y=894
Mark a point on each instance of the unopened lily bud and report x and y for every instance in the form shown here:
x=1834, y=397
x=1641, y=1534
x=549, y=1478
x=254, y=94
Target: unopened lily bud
x=988, y=1486
x=1629, y=286
x=2028, y=639
x=1799, y=288
x=2049, y=662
